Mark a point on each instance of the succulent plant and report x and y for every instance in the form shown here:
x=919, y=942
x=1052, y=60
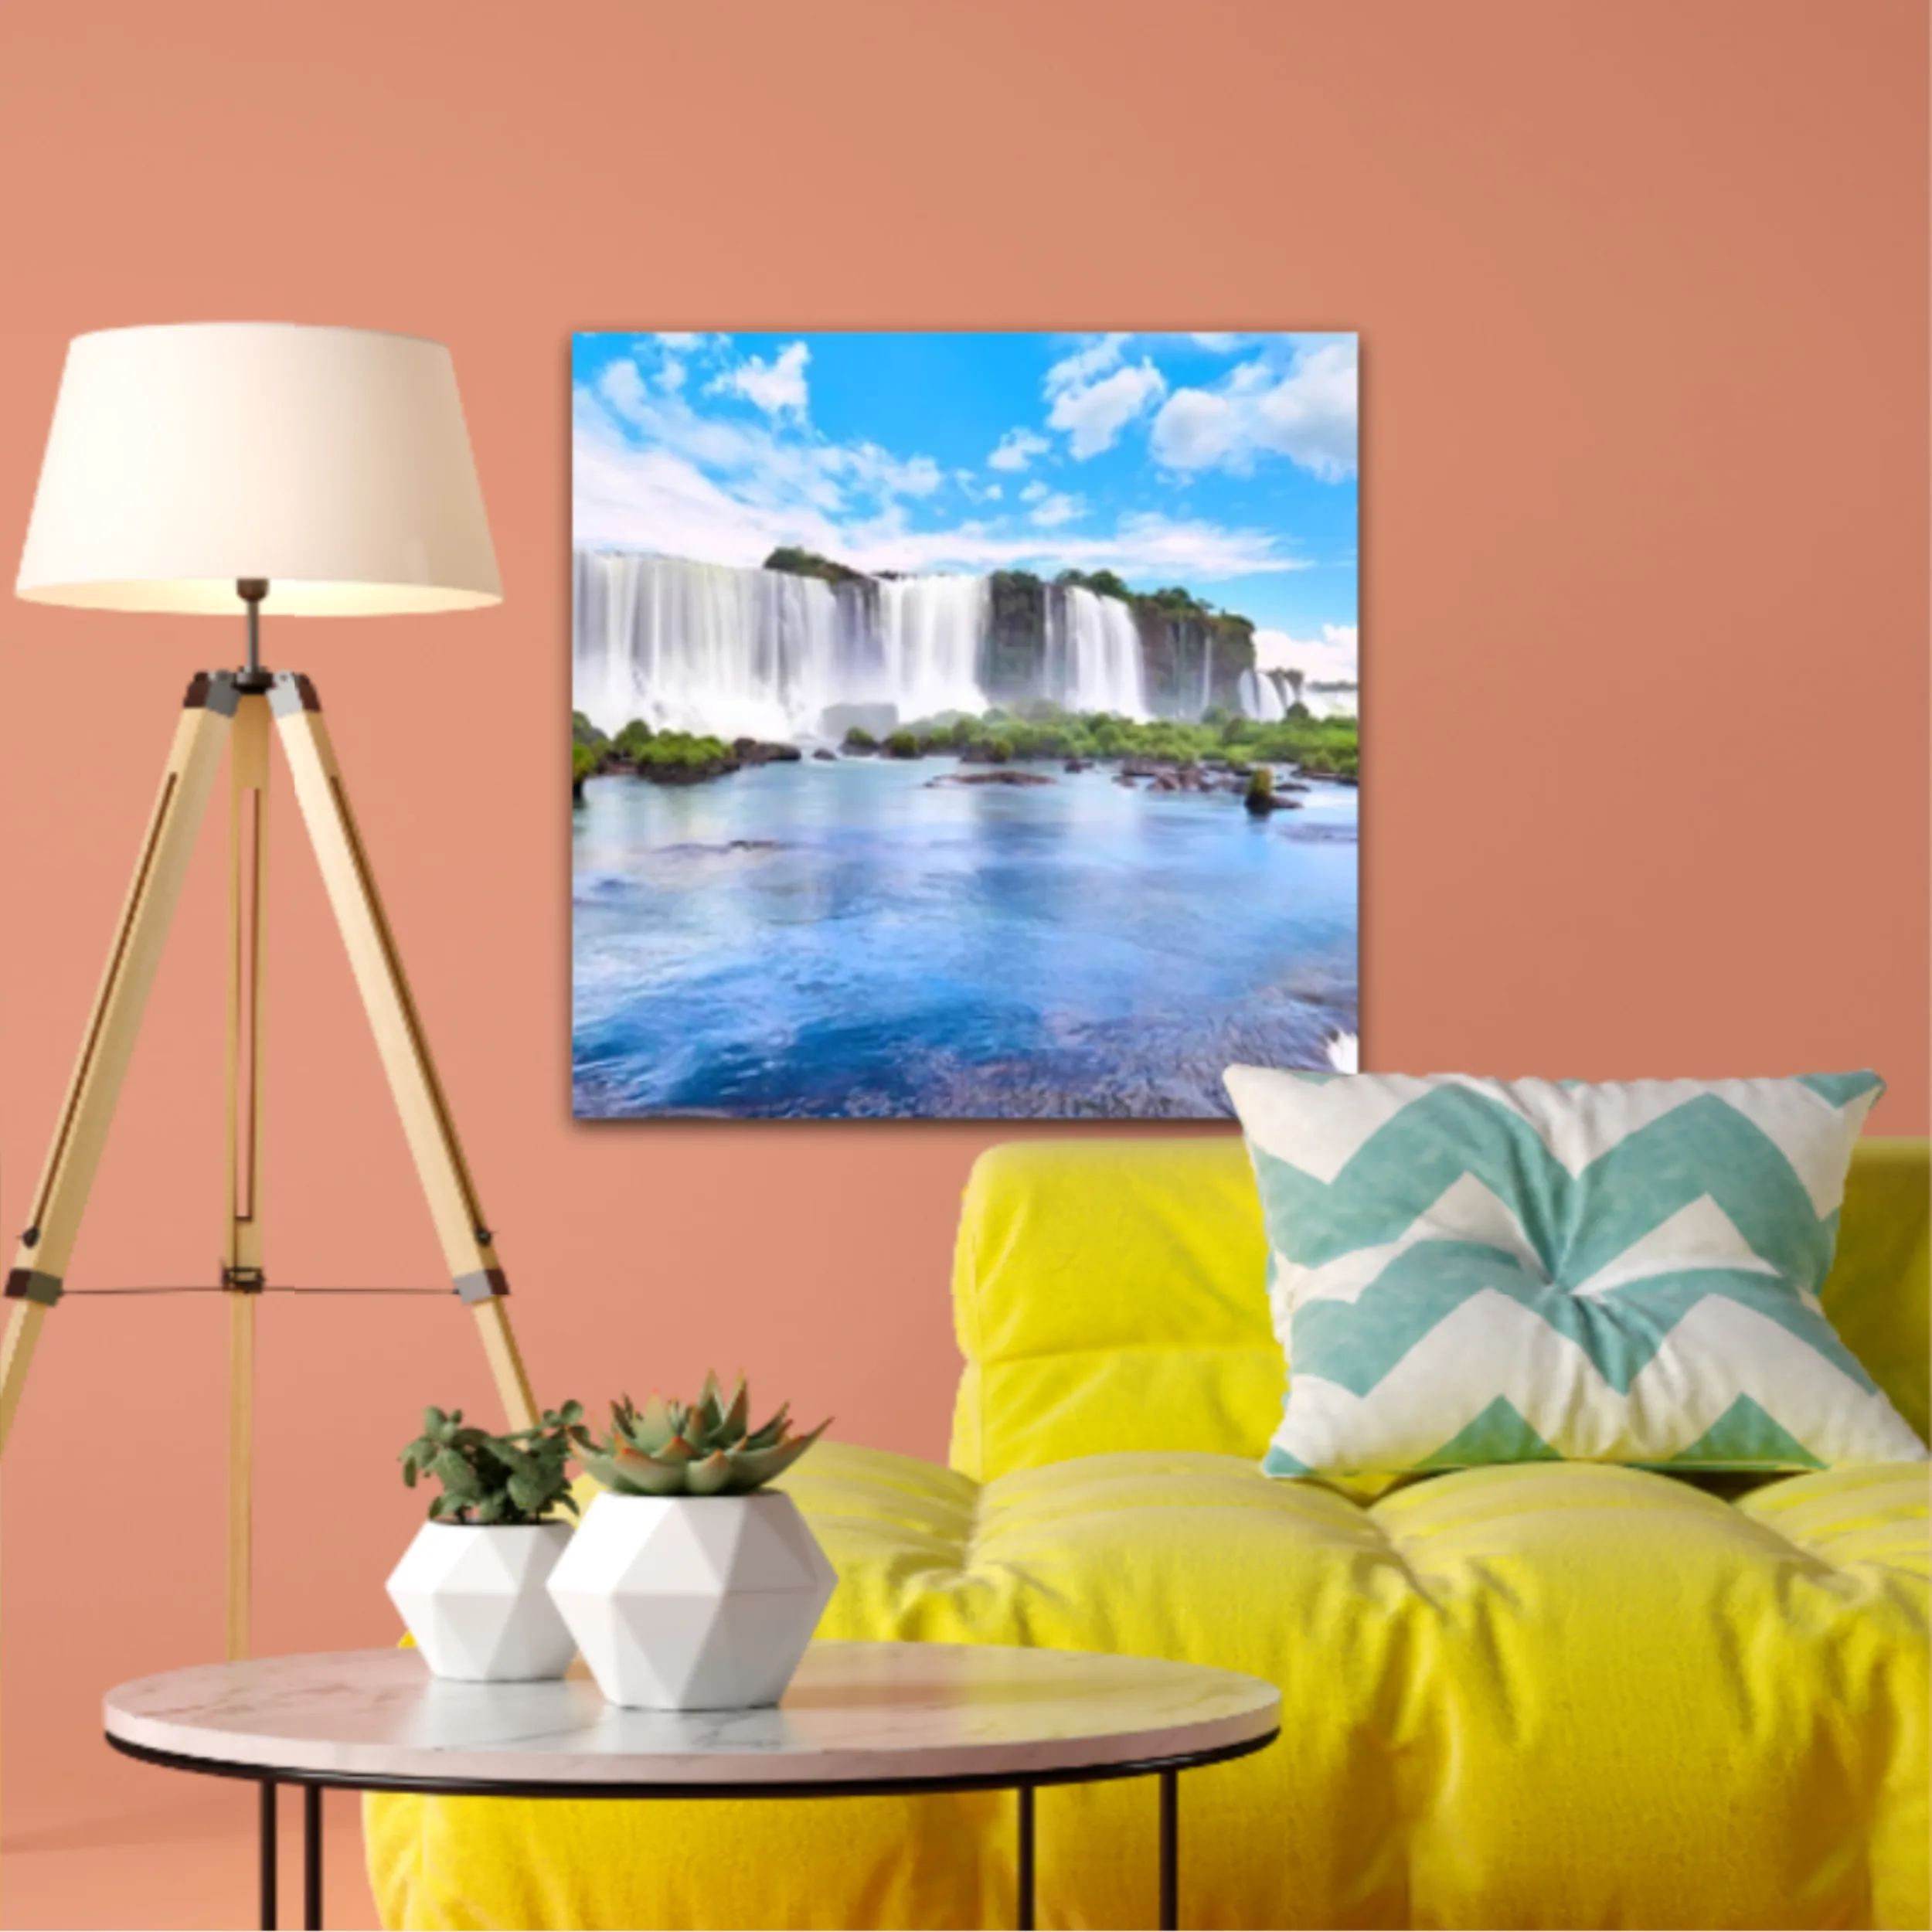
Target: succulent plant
x=503, y=1480
x=706, y=1448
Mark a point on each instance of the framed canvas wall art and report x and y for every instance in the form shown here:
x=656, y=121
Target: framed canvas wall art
x=965, y=725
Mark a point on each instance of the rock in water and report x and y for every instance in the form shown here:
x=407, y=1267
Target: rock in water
x=751, y=751
x=1006, y=775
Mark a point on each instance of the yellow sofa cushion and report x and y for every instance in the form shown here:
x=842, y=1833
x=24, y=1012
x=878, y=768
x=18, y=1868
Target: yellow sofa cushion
x=1529, y=1696
x=1112, y=1294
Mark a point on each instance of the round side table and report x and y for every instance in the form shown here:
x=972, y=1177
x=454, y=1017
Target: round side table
x=859, y=1720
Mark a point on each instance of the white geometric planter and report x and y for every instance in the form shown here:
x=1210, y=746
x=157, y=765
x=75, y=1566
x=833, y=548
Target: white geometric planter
x=473, y=1597
x=693, y=1603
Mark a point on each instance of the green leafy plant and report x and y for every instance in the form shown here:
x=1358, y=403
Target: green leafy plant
x=706, y=1448
x=509, y=1479
x=585, y=763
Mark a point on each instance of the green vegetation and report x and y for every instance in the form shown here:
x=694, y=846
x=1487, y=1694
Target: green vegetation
x=1101, y=582
x=706, y=1448
x=673, y=757
x=1170, y=601
x=585, y=733
x=508, y=1480
x=1325, y=748
x=1328, y=746
x=808, y=563
x=633, y=740
x=585, y=763
x=1260, y=792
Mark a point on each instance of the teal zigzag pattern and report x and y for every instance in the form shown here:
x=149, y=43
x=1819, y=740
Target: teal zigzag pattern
x=1618, y=1368
x=1356, y=1343
x=1576, y=1225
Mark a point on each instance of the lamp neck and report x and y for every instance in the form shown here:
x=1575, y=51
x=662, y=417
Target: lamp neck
x=251, y=591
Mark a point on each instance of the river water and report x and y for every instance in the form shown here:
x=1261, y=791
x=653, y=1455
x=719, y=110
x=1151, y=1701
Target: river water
x=854, y=940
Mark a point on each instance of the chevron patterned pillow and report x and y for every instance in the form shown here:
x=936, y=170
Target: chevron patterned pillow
x=1469, y=1271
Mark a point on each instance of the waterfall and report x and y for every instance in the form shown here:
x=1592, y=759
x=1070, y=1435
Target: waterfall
x=1094, y=653
x=702, y=647
x=1207, y=675
x=763, y=654
x=931, y=628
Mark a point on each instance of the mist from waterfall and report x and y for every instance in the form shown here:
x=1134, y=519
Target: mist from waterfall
x=764, y=653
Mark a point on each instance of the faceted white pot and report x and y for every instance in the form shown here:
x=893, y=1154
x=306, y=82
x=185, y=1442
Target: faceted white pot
x=693, y=1603
x=473, y=1596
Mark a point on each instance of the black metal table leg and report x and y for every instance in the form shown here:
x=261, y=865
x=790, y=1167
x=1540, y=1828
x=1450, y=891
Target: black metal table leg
x=1170, y=1918
x=312, y=1857
x=1025, y=1794
x=266, y=1834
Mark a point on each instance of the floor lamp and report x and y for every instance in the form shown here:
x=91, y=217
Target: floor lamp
x=216, y=469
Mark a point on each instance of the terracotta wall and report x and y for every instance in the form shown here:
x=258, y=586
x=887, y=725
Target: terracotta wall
x=1641, y=289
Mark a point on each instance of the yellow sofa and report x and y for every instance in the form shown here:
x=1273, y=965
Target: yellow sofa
x=1530, y=1695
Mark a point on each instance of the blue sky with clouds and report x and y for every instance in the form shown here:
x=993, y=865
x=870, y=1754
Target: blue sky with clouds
x=1225, y=463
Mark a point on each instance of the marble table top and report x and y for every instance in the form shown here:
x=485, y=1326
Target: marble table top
x=861, y=1713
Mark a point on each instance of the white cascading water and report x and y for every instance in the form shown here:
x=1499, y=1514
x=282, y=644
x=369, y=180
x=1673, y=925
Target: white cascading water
x=762, y=654
x=931, y=628
x=1094, y=653
x=1258, y=699
x=703, y=646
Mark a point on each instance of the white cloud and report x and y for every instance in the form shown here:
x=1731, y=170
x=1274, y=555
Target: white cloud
x=1194, y=429
x=651, y=499
x=731, y=493
x=1216, y=344
x=654, y=473
x=973, y=490
x=777, y=386
x=620, y=386
x=1053, y=510
x=1093, y=358
x=750, y=456
x=1033, y=492
x=674, y=339
x=873, y=468
x=1305, y=412
x=1016, y=449
x=1334, y=655
x=1094, y=413
x=1148, y=546
x=670, y=376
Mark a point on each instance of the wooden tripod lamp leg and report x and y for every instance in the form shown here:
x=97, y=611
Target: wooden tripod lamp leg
x=40, y=1262
x=241, y=1273
x=467, y=1244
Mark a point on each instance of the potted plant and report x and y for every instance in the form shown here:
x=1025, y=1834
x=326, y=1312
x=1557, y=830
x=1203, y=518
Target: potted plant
x=691, y=1585
x=470, y=1587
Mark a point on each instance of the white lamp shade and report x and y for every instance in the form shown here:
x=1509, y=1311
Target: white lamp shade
x=333, y=462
